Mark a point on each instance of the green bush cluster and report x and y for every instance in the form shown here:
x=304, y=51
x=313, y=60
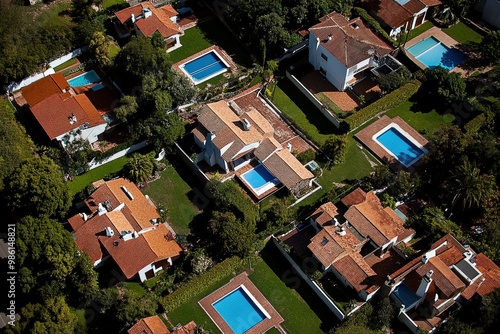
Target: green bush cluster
x=371, y=22
x=477, y=123
x=183, y=294
x=389, y=101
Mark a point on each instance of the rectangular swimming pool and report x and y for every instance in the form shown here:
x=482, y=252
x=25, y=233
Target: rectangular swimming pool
x=260, y=179
x=239, y=311
x=86, y=78
x=432, y=53
x=405, y=295
x=204, y=67
x=399, y=146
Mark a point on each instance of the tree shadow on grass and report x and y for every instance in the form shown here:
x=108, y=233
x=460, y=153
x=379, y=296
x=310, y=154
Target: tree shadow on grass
x=284, y=271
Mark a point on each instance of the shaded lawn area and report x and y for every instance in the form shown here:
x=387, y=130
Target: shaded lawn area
x=110, y=3
x=424, y=122
x=172, y=192
x=316, y=127
x=210, y=33
x=107, y=170
x=420, y=29
x=191, y=310
x=299, y=317
x=463, y=33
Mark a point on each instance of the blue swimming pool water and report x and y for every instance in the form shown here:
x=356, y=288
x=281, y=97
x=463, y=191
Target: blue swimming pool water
x=239, y=311
x=400, y=146
x=405, y=295
x=258, y=176
x=204, y=67
x=98, y=87
x=84, y=79
x=433, y=53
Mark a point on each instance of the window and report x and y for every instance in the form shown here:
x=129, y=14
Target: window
x=324, y=57
x=322, y=71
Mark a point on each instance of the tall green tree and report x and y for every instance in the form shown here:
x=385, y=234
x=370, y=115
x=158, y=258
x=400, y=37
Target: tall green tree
x=51, y=263
x=161, y=130
x=37, y=187
x=127, y=109
x=335, y=147
x=468, y=187
x=490, y=45
x=99, y=46
x=51, y=316
x=139, y=167
x=451, y=87
x=231, y=236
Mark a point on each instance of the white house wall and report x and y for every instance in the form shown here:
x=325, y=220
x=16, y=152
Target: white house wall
x=247, y=148
x=491, y=12
x=91, y=134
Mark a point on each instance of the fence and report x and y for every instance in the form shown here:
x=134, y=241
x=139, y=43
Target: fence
x=405, y=319
x=316, y=289
x=193, y=166
x=317, y=103
x=94, y=164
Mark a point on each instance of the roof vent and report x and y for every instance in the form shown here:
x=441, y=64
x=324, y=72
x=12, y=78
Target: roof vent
x=329, y=37
x=109, y=231
x=289, y=147
x=72, y=119
x=129, y=195
x=85, y=217
x=236, y=108
x=355, y=25
x=246, y=124
x=115, y=243
x=101, y=209
x=341, y=232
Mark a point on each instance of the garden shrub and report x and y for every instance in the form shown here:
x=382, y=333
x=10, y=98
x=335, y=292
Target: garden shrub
x=306, y=156
x=185, y=292
x=475, y=124
x=389, y=101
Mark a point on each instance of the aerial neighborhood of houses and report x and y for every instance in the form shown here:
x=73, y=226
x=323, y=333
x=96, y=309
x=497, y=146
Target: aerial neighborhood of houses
x=217, y=155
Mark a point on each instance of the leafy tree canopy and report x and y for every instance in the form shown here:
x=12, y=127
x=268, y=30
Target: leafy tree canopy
x=51, y=264
x=37, y=187
x=335, y=147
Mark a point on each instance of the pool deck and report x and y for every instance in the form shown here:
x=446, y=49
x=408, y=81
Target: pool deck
x=440, y=36
x=241, y=279
x=365, y=136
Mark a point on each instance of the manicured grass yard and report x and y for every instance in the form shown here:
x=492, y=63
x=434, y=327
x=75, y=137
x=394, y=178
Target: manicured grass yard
x=463, y=34
x=67, y=63
x=426, y=122
x=81, y=181
x=420, y=29
x=175, y=194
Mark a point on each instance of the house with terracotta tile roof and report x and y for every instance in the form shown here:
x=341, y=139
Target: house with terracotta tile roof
x=146, y=20
x=231, y=137
x=123, y=225
x=342, y=49
x=154, y=325
x=337, y=246
x=399, y=16
x=448, y=274
x=62, y=114
x=381, y=225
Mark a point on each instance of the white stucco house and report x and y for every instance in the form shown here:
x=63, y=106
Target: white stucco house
x=343, y=49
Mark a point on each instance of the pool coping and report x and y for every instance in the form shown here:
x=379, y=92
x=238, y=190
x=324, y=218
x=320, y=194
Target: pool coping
x=259, y=191
x=438, y=34
x=221, y=53
x=242, y=279
x=365, y=136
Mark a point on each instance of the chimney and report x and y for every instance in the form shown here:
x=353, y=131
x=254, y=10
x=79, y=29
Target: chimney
x=289, y=147
x=109, y=231
x=146, y=12
x=341, y=232
x=132, y=18
x=85, y=217
x=101, y=209
x=329, y=37
x=424, y=284
x=246, y=124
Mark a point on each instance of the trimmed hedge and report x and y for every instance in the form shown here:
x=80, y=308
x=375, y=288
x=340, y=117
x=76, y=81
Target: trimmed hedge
x=183, y=294
x=373, y=23
x=389, y=101
x=478, y=122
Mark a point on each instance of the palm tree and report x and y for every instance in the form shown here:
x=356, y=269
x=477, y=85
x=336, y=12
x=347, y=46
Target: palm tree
x=140, y=167
x=469, y=187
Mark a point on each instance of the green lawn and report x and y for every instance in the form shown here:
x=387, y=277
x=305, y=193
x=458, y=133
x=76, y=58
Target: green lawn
x=81, y=181
x=420, y=29
x=67, y=63
x=463, y=33
x=110, y=3
x=426, y=122
x=175, y=194
x=210, y=33
x=299, y=317
x=135, y=287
